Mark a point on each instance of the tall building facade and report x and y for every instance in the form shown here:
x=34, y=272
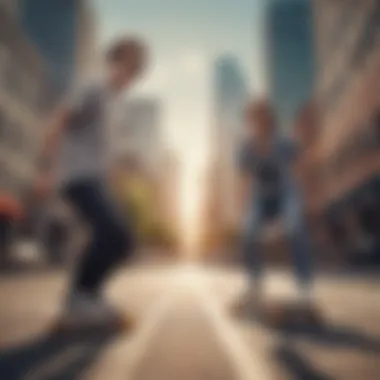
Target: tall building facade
x=348, y=42
x=11, y=7
x=230, y=97
x=290, y=57
x=62, y=31
x=87, y=57
x=140, y=132
x=23, y=93
x=170, y=187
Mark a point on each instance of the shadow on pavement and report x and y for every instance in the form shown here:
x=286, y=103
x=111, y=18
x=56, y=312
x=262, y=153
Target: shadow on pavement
x=21, y=269
x=323, y=334
x=58, y=356
x=337, y=336
x=298, y=366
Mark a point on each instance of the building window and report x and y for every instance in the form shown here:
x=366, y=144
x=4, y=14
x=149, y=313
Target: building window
x=377, y=127
x=336, y=90
x=368, y=39
x=2, y=126
x=34, y=93
x=5, y=178
x=348, y=13
x=27, y=87
x=15, y=136
x=12, y=77
x=10, y=6
x=3, y=62
x=5, y=129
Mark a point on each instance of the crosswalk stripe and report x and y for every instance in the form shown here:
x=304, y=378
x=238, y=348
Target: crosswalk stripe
x=123, y=358
x=248, y=364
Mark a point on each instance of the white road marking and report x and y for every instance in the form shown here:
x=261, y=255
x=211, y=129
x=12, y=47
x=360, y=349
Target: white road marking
x=53, y=366
x=248, y=364
x=121, y=360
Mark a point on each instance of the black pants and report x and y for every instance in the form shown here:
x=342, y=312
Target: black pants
x=56, y=239
x=5, y=236
x=111, y=240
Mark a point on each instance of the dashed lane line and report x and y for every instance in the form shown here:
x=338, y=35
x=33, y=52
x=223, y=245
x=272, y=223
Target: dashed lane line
x=248, y=364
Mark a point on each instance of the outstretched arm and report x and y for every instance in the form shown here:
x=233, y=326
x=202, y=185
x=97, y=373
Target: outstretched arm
x=244, y=192
x=245, y=187
x=55, y=126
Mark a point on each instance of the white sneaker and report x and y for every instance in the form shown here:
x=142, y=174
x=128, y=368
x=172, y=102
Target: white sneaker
x=86, y=310
x=250, y=301
x=304, y=298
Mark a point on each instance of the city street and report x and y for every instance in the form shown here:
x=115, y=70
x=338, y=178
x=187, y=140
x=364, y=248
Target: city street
x=185, y=331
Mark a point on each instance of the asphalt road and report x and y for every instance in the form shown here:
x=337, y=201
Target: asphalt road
x=185, y=330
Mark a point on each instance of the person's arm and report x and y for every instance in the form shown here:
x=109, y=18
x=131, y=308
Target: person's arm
x=244, y=191
x=245, y=188
x=292, y=155
x=299, y=162
x=55, y=126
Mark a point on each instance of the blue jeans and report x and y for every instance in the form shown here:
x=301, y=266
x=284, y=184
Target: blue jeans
x=112, y=237
x=289, y=206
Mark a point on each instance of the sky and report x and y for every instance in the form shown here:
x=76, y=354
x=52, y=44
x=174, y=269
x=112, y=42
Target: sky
x=184, y=38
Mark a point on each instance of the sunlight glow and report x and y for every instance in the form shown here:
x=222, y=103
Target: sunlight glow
x=191, y=195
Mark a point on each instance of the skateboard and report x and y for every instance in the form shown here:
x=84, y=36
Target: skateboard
x=279, y=315
x=245, y=307
x=288, y=315
x=121, y=322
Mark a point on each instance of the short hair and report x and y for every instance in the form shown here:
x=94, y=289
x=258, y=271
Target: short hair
x=127, y=49
x=307, y=110
x=257, y=105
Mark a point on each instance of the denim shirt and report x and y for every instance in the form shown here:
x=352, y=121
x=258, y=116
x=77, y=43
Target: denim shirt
x=271, y=174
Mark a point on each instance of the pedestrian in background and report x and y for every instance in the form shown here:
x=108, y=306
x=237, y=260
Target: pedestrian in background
x=269, y=193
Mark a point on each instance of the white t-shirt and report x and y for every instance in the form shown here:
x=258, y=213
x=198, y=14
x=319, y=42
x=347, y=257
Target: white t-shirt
x=85, y=147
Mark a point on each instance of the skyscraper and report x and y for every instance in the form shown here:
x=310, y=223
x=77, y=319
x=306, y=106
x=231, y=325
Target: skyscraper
x=86, y=53
x=23, y=92
x=230, y=97
x=140, y=133
x=57, y=29
x=290, y=57
x=230, y=94
x=348, y=39
x=170, y=189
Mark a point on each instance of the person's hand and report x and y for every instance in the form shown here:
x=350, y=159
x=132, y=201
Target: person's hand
x=43, y=186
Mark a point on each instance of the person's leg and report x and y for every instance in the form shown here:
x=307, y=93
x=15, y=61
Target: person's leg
x=300, y=244
x=51, y=242
x=111, y=240
x=56, y=242
x=252, y=256
x=5, y=231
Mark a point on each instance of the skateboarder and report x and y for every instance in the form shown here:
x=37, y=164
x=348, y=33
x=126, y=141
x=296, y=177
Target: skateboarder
x=77, y=157
x=268, y=192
